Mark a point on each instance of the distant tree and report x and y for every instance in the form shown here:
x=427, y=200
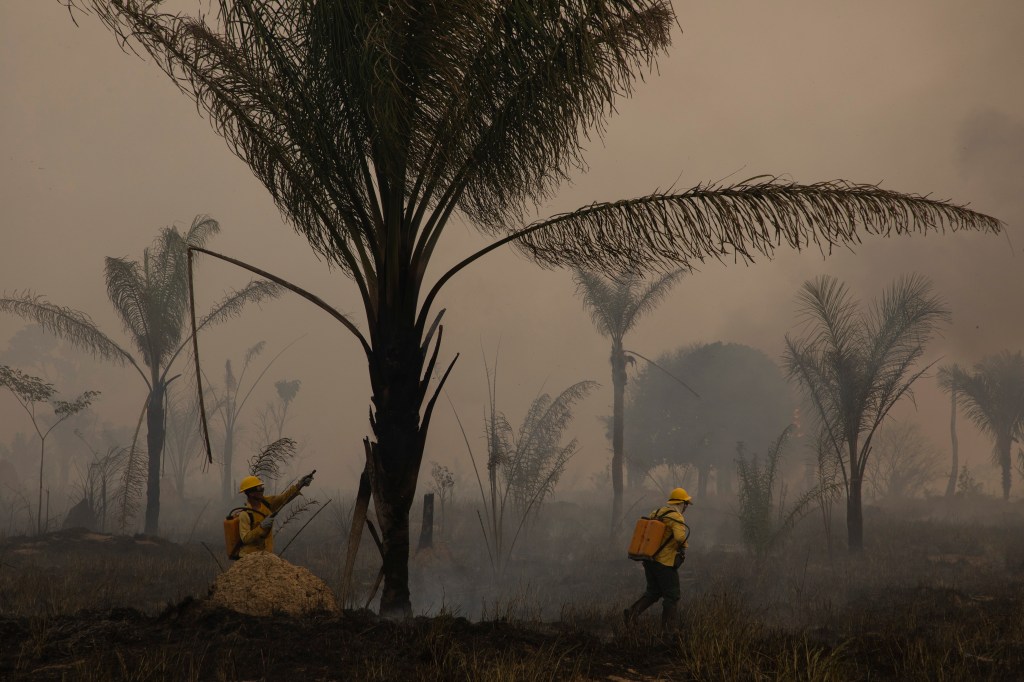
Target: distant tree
x=902, y=461
x=152, y=299
x=616, y=305
x=183, y=447
x=743, y=397
x=444, y=487
x=855, y=366
x=30, y=392
x=275, y=414
x=373, y=124
x=228, y=403
x=992, y=397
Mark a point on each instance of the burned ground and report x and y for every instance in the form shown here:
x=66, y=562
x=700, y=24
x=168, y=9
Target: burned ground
x=929, y=599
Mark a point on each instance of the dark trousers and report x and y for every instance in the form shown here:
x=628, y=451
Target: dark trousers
x=662, y=582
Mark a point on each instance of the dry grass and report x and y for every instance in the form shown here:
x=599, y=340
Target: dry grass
x=931, y=598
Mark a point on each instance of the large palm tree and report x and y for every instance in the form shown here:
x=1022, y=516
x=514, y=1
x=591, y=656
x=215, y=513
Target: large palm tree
x=992, y=397
x=616, y=304
x=372, y=122
x=856, y=365
x=151, y=297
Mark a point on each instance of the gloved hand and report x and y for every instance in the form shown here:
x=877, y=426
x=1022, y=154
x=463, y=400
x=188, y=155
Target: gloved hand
x=306, y=480
x=267, y=523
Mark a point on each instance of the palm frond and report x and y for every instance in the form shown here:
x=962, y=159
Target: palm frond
x=203, y=227
x=737, y=222
x=652, y=293
x=600, y=299
x=127, y=290
x=128, y=496
x=231, y=305
x=268, y=462
x=72, y=326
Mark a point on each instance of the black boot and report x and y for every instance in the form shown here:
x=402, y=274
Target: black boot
x=629, y=616
x=669, y=617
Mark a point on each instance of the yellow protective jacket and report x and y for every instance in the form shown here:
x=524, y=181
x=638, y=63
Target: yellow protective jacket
x=255, y=538
x=675, y=532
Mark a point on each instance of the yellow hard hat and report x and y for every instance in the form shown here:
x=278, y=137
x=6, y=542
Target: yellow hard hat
x=249, y=482
x=679, y=495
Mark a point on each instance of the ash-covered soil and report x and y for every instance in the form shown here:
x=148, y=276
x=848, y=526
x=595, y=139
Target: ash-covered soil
x=962, y=620
x=196, y=641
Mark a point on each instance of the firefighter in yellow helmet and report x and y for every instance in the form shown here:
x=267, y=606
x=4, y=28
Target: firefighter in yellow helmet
x=256, y=525
x=662, y=573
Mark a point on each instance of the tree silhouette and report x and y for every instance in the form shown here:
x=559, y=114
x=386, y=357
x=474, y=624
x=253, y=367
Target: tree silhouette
x=151, y=297
x=992, y=397
x=30, y=391
x=616, y=305
x=741, y=396
x=855, y=366
x=372, y=122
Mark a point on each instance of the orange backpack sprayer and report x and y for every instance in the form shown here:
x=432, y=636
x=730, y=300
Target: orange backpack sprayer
x=232, y=532
x=650, y=536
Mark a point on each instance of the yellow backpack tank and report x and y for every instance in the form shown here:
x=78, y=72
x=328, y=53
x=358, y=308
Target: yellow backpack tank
x=233, y=533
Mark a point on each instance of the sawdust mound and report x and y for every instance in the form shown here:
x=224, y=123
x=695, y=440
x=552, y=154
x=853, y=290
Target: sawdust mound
x=262, y=584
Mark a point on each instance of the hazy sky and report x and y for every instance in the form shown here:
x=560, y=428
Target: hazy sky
x=924, y=96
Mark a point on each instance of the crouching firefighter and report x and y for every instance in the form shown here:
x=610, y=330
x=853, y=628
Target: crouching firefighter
x=662, y=572
x=256, y=522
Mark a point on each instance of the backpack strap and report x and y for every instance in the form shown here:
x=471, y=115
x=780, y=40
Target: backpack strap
x=667, y=540
x=248, y=510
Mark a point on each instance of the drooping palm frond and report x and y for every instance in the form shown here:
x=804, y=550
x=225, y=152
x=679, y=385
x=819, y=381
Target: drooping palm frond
x=738, y=222
x=268, y=462
x=73, y=326
x=232, y=304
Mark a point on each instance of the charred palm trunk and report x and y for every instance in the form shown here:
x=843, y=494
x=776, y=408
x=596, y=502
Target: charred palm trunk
x=954, y=446
x=855, y=516
x=1004, y=444
x=618, y=360
x=155, y=447
x=854, y=508
x=395, y=368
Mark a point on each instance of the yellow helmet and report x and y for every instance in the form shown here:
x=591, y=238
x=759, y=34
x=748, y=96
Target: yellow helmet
x=679, y=495
x=249, y=482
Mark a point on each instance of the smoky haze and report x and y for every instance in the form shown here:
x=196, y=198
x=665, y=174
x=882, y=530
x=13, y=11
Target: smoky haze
x=100, y=151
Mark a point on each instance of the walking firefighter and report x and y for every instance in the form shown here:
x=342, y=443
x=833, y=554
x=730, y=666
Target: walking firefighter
x=660, y=543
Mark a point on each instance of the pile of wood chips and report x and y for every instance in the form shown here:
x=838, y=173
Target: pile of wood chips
x=263, y=584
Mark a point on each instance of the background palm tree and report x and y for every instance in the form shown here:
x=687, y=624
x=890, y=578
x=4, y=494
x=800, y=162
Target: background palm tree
x=152, y=299
x=371, y=122
x=616, y=305
x=992, y=397
x=855, y=366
